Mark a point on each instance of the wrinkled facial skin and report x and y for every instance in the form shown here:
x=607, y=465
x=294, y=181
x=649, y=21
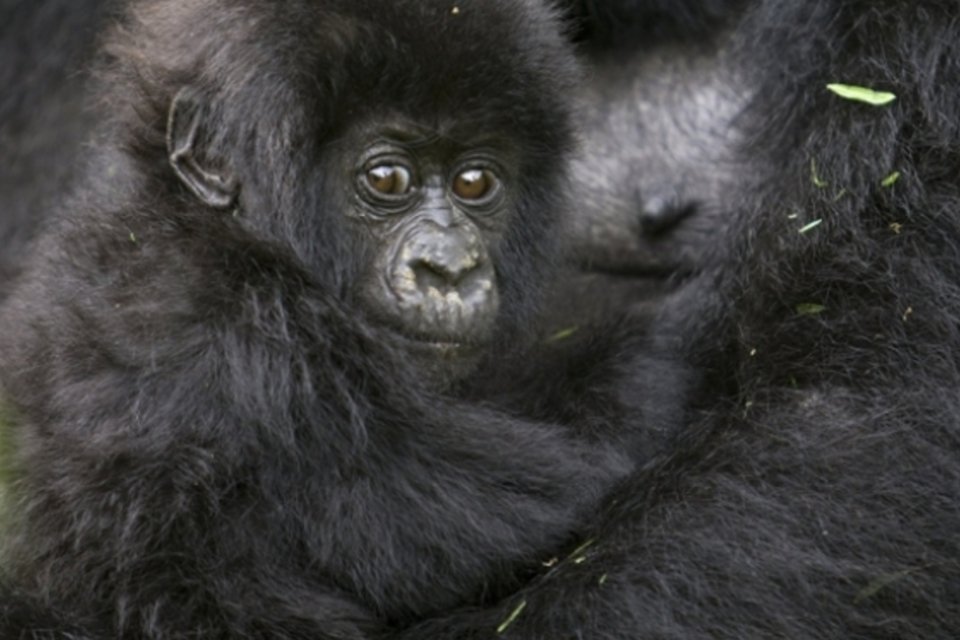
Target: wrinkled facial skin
x=432, y=210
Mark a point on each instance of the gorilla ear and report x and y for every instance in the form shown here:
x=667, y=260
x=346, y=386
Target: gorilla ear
x=216, y=188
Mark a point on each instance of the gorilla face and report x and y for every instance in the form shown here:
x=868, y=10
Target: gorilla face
x=433, y=210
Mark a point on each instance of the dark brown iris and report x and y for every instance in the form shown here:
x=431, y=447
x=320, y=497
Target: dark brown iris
x=389, y=179
x=474, y=184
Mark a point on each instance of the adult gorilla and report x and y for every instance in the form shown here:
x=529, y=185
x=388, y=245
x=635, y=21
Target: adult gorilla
x=225, y=365
x=816, y=493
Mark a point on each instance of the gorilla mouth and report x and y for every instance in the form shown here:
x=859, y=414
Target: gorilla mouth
x=436, y=346
x=440, y=360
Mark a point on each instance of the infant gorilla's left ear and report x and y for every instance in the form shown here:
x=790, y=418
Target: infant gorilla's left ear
x=217, y=188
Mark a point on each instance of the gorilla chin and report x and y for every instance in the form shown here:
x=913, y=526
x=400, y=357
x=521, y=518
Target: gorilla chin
x=447, y=351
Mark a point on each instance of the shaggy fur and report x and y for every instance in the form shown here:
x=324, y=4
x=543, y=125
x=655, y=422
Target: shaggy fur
x=206, y=438
x=44, y=47
x=817, y=492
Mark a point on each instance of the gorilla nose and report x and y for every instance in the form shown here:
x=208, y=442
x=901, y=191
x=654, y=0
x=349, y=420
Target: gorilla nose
x=444, y=269
x=449, y=261
x=445, y=285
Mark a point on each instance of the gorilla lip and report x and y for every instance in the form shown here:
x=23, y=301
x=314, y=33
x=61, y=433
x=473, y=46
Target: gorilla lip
x=432, y=343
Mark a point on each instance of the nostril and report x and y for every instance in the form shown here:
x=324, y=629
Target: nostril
x=660, y=213
x=429, y=274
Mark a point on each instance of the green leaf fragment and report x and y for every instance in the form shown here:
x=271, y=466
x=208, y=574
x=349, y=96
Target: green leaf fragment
x=583, y=547
x=890, y=180
x=811, y=225
x=603, y=580
x=810, y=308
x=817, y=180
x=862, y=94
x=563, y=334
x=882, y=582
x=512, y=617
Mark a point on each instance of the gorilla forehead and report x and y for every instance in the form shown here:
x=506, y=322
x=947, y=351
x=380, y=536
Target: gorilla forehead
x=381, y=44
x=457, y=73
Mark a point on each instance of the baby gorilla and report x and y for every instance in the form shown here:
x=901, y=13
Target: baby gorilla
x=224, y=370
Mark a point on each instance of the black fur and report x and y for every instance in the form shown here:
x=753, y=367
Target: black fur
x=817, y=492
x=645, y=23
x=44, y=49
x=814, y=495
x=206, y=439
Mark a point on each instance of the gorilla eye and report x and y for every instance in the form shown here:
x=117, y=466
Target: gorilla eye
x=389, y=179
x=474, y=184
